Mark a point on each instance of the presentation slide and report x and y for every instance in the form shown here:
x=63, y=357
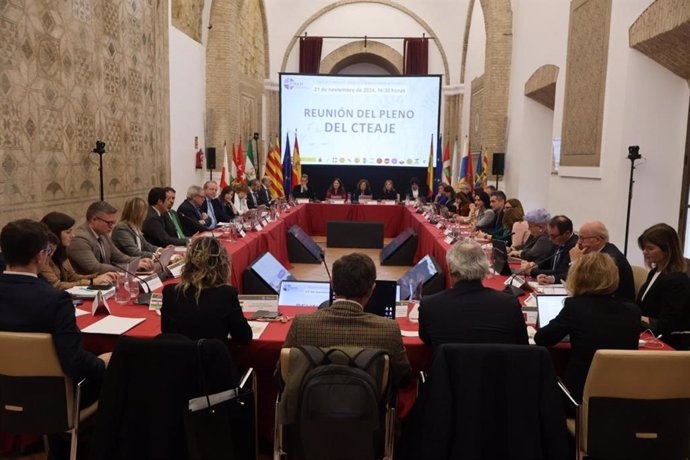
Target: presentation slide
x=358, y=120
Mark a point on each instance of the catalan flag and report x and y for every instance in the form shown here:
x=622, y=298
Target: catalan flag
x=296, y=165
x=274, y=170
x=430, y=169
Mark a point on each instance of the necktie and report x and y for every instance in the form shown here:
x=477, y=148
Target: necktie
x=101, y=249
x=211, y=214
x=557, y=257
x=176, y=223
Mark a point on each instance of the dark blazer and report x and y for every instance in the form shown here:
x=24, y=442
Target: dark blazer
x=536, y=248
x=85, y=255
x=471, y=313
x=423, y=192
x=496, y=224
x=667, y=304
x=160, y=229
x=298, y=193
x=356, y=194
x=2, y=263
x=223, y=211
x=189, y=218
x=264, y=195
x=217, y=211
x=217, y=315
x=253, y=201
x=29, y=304
x=346, y=323
x=593, y=323
x=557, y=266
x=626, y=283
x=389, y=195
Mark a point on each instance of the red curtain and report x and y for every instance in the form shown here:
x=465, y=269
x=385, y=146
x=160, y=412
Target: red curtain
x=310, y=54
x=416, y=56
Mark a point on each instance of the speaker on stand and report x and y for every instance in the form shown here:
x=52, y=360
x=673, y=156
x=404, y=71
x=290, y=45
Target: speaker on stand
x=498, y=164
x=210, y=160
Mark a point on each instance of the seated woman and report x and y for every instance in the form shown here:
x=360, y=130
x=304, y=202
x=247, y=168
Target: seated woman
x=227, y=204
x=363, y=189
x=481, y=214
x=336, y=191
x=240, y=201
x=665, y=297
x=592, y=317
x=463, y=204
x=448, y=199
x=538, y=244
x=441, y=197
x=203, y=304
x=58, y=271
x=514, y=229
x=466, y=191
x=127, y=235
x=389, y=192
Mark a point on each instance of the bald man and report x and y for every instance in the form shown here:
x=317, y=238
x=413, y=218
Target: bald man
x=594, y=237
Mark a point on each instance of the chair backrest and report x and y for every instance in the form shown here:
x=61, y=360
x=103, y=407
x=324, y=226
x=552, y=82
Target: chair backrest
x=639, y=277
x=35, y=394
x=636, y=404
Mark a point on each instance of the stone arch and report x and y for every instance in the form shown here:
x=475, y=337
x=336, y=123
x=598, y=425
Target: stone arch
x=360, y=51
x=427, y=28
x=541, y=85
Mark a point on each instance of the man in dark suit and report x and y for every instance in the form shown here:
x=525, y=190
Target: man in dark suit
x=30, y=304
x=346, y=323
x=554, y=268
x=497, y=202
x=92, y=250
x=162, y=225
x=211, y=206
x=469, y=312
x=253, y=200
x=594, y=237
x=302, y=190
x=193, y=220
x=264, y=191
x=417, y=190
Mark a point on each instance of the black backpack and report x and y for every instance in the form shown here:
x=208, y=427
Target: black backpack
x=341, y=403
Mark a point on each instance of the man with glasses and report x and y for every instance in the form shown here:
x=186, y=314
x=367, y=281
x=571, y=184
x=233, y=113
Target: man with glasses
x=594, y=237
x=191, y=215
x=554, y=268
x=92, y=250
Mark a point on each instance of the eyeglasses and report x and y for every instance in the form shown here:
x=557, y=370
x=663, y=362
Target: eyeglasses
x=109, y=223
x=583, y=238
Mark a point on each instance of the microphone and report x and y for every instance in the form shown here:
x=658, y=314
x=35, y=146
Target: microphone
x=165, y=273
x=329, y=301
x=145, y=297
x=515, y=291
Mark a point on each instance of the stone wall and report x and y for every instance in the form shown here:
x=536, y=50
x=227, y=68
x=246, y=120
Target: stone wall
x=72, y=72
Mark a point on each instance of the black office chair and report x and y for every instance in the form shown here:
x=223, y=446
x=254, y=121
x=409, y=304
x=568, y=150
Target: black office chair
x=36, y=397
x=145, y=400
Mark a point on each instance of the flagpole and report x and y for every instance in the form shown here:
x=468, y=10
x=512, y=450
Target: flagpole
x=258, y=156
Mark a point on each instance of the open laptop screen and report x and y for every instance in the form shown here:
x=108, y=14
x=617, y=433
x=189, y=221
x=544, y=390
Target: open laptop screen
x=271, y=271
x=303, y=293
x=548, y=307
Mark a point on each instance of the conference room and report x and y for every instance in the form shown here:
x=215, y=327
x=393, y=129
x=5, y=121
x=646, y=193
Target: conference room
x=294, y=136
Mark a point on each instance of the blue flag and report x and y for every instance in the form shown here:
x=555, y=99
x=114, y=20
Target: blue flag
x=438, y=164
x=287, y=168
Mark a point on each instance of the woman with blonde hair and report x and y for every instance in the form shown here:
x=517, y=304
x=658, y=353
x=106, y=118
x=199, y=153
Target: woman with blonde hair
x=204, y=304
x=665, y=297
x=127, y=235
x=593, y=317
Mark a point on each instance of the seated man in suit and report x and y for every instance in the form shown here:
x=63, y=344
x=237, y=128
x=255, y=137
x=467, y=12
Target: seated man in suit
x=30, y=304
x=346, y=323
x=162, y=225
x=253, y=200
x=554, y=268
x=265, y=191
x=92, y=250
x=211, y=206
x=192, y=218
x=302, y=190
x=594, y=237
x=469, y=312
x=497, y=203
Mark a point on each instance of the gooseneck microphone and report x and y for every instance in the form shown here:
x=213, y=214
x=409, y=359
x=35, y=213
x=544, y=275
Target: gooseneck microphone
x=328, y=302
x=517, y=292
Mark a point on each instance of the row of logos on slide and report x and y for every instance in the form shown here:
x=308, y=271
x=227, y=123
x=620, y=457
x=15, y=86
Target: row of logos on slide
x=363, y=160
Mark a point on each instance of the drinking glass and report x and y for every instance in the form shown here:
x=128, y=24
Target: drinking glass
x=133, y=286
x=122, y=293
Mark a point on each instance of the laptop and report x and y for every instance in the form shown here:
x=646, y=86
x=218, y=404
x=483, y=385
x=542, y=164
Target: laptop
x=548, y=307
x=303, y=293
x=500, y=254
x=382, y=301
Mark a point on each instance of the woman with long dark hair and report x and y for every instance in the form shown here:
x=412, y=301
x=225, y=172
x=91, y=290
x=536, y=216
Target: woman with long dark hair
x=336, y=191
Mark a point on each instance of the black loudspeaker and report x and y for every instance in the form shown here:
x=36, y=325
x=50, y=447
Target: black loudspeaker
x=211, y=158
x=498, y=164
x=401, y=250
x=347, y=234
x=301, y=248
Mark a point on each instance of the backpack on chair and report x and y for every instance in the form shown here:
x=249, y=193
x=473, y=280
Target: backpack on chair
x=341, y=402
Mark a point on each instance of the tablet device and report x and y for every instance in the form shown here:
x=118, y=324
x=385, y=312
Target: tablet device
x=548, y=307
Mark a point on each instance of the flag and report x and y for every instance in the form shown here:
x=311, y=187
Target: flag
x=249, y=170
x=239, y=161
x=287, y=168
x=233, y=166
x=466, y=172
x=446, y=165
x=274, y=170
x=430, y=169
x=438, y=163
x=224, y=172
x=482, y=168
x=296, y=165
